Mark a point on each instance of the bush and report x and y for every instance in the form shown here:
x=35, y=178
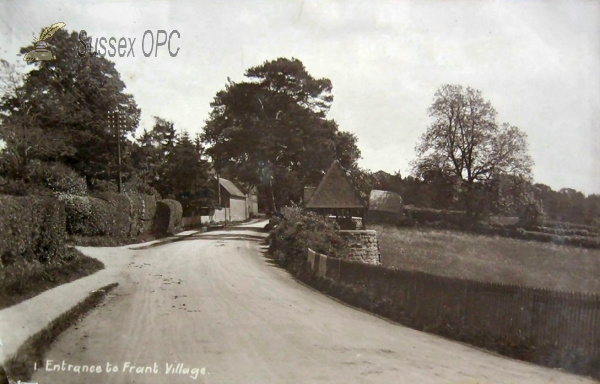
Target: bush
x=577, y=241
x=109, y=214
x=566, y=225
x=120, y=219
x=434, y=217
x=168, y=217
x=143, y=211
x=19, y=187
x=57, y=177
x=531, y=214
x=98, y=185
x=565, y=232
x=32, y=228
x=88, y=216
x=137, y=186
x=298, y=231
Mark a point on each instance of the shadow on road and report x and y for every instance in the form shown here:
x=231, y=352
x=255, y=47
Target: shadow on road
x=232, y=233
x=270, y=260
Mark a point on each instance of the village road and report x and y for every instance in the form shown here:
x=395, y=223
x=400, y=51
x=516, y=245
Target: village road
x=213, y=308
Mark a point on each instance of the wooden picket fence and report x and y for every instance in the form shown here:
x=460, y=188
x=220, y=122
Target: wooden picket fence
x=561, y=329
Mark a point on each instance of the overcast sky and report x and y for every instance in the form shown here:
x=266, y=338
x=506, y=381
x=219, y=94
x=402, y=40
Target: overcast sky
x=537, y=62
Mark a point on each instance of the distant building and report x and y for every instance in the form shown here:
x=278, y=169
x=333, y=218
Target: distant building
x=385, y=207
x=235, y=205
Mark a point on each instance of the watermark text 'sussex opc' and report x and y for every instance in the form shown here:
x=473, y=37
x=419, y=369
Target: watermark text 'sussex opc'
x=125, y=47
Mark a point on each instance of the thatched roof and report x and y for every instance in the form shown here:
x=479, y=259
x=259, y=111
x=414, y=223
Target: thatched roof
x=385, y=201
x=308, y=193
x=335, y=191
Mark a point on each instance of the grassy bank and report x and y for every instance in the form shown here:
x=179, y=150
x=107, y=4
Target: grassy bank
x=20, y=366
x=490, y=258
x=23, y=280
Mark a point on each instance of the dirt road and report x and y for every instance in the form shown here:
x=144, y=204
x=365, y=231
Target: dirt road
x=213, y=309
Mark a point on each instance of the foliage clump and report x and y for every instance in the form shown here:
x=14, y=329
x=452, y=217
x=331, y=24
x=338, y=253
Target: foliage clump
x=31, y=228
x=297, y=231
x=57, y=177
x=531, y=214
x=168, y=217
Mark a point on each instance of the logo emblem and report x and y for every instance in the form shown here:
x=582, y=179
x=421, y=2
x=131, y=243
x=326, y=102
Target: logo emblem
x=41, y=51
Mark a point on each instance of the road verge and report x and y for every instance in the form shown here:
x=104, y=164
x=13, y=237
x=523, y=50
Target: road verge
x=21, y=365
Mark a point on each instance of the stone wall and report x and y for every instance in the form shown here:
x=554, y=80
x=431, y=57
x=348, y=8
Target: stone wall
x=364, y=246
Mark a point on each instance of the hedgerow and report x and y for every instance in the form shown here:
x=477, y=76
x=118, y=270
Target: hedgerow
x=169, y=214
x=31, y=228
x=109, y=214
x=298, y=231
x=57, y=177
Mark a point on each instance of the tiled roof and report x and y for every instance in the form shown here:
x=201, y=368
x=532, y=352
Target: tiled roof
x=230, y=187
x=385, y=201
x=335, y=191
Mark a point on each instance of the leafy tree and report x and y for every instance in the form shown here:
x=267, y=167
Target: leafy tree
x=151, y=152
x=187, y=172
x=68, y=100
x=271, y=131
x=465, y=143
x=22, y=138
x=172, y=163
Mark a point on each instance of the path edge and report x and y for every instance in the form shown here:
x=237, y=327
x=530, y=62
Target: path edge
x=20, y=366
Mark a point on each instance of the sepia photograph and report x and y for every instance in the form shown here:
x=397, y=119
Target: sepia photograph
x=300, y=191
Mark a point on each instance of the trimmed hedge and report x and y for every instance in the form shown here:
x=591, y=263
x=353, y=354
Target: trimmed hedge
x=110, y=214
x=58, y=177
x=434, y=217
x=86, y=216
x=577, y=241
x=566, y=232
x=566, y=225
x=522, y=234
x=142, y=212
x=32, y=228
x=168, y=217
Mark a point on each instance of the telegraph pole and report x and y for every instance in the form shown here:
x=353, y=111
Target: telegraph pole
x=115, y=120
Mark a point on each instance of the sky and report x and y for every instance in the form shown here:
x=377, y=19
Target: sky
x=538, y=62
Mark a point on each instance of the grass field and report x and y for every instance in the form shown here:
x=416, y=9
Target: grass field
x=489, y=258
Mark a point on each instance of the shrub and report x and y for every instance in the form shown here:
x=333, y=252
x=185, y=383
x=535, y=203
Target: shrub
x=120, y=221
x=434, y=217
x=98, y=185
x=86, y=216
x=577, y=241
x=137, y=186
x=56, y=177
x=298, y=231
x=168, y=217
x=531, y=214
x=19, y=187
x=565, y=232
x=31, y=228
x=143, y=210
x=566, y=225
x=49, y=245
x=109, y=214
